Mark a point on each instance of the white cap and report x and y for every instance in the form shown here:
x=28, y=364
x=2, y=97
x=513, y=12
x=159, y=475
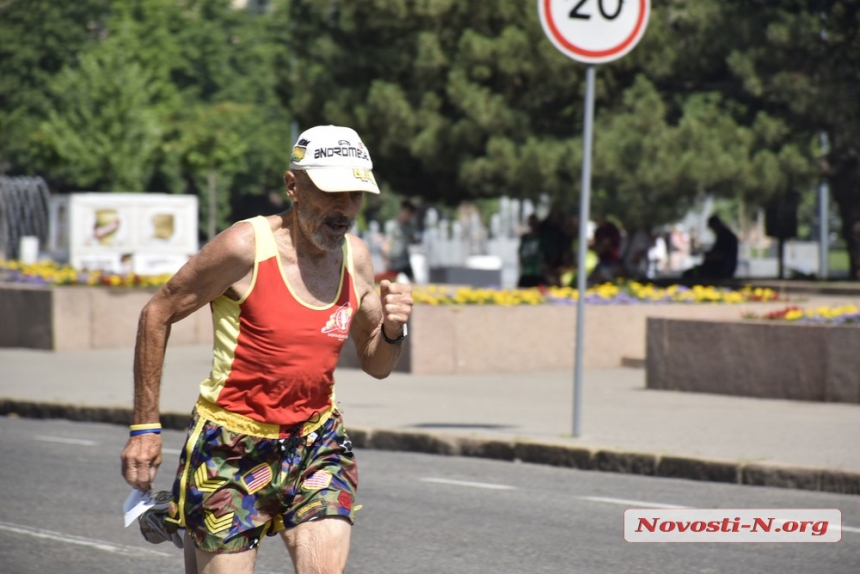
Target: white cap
x=335, y=159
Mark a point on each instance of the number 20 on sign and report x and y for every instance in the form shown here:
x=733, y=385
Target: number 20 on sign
x=594, y=31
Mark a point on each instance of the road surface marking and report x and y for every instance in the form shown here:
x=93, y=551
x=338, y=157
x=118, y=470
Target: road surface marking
x=630, y=503
x=171, y=451
x=486, y=485
x=79, y=540
x=64, y=440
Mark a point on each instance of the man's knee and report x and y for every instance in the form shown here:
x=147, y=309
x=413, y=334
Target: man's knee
x=319, y=546
x=238, y=563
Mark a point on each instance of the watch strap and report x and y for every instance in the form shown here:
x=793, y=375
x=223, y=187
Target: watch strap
x=395, y=340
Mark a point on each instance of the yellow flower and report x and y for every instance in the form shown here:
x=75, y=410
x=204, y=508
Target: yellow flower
x=434, y=294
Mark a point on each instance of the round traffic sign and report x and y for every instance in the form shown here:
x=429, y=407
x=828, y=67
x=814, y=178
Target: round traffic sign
x=594, y=31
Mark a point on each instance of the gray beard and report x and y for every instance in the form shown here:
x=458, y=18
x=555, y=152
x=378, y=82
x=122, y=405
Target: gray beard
x=318, y=236
x=325, y=243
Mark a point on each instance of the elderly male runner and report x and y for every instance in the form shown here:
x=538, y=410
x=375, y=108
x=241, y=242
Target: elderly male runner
x=266, y=450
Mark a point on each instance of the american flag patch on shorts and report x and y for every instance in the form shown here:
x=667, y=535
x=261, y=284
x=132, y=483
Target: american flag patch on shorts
x=257, y=477
x=317, y=481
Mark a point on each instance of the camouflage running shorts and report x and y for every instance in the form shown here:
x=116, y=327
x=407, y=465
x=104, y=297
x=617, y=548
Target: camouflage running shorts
x=238, y=487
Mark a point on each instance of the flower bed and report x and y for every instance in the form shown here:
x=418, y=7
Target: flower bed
x=50, y=273
x=452, y=330
x=630, y=293
x=838, y=315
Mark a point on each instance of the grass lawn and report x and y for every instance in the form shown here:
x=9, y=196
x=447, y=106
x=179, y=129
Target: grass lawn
x=837, y=260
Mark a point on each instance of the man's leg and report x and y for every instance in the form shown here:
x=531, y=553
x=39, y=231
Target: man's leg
x=319, y=546
x=239, y=563
x=190, y=555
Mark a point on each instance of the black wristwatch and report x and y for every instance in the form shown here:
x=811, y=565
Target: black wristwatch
x=390, y=340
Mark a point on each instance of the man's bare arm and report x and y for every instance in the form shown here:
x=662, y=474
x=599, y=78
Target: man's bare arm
x=389, y=310
x=222, y=263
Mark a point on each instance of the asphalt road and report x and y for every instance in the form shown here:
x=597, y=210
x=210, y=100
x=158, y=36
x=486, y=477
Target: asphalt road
x=62, y=499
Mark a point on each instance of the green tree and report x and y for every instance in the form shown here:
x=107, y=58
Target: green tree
x=450, y=96
x=462, y=101
x=212, y=145
x=37, y=39
x=121, y=113
x=798, y=61
x=457, y=101
x=227, y=64
x=102, y=129
x=650, y=170
x=101, y=117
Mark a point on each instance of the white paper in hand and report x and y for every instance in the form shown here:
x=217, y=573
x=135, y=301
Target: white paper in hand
x=136, y=504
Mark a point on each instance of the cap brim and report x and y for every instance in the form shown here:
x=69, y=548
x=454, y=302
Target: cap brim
x=343, y=179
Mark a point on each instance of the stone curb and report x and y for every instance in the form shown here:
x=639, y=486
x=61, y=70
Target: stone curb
x=533, y=451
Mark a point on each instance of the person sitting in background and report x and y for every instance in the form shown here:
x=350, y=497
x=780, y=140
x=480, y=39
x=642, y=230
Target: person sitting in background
x=607, y=245
x=658, y=256
x=634, y=258
x=553, y=244
x=530, y=255
x=721, y=260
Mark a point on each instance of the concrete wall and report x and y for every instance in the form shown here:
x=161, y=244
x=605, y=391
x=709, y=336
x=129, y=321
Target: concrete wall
x=755, y=358
x=26, y=317
x=81, y=318
x=442, y=340
x=486, y=339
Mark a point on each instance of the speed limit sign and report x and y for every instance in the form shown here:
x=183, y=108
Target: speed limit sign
x=594, y=31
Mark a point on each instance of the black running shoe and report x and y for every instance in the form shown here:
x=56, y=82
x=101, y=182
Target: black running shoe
x=152, y=523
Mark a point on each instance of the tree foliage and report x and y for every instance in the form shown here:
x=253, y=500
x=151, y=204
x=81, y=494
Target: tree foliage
x=479, y=102
x=799, y=62
x=456, y=100
x=146, y=99
x=102, y=128
x=37, y=39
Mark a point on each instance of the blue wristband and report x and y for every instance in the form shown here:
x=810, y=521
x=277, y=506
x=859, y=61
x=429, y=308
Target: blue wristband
x=144, y=431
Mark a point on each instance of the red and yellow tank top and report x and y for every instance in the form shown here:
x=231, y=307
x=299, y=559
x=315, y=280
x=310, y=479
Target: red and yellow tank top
x=274, y=355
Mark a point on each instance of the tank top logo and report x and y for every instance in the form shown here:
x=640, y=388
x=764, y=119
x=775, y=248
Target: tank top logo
x=338, y=324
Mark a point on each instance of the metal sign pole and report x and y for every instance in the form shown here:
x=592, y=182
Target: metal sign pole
x=823, y=218
x=583, y=35
x=584, y=200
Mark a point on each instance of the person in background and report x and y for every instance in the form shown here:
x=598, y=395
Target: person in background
x=679, y=249
x=555, y=245
x=634, y=255
x=530, y=255
x=607, y=245
x=401, y=237
x=721, y=260
x=658, y=256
